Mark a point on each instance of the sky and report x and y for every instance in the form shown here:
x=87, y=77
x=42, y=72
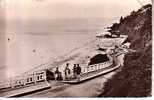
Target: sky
x=51, y=9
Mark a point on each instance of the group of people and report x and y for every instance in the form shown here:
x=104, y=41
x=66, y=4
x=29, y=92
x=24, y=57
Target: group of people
x=68, y=73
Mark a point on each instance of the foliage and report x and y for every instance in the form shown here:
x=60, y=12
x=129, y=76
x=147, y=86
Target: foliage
x=134, y=80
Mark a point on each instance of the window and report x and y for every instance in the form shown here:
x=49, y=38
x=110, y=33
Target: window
x=31, y=79
x=19, y=82
x=27, y=79
x=41, y=77
x=38, y=77
x=87, y=69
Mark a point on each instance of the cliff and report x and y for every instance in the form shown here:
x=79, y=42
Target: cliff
x=134, y=79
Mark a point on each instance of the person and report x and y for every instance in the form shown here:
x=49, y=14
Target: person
x=78, y=69
x=67, y=71
x=78, y=72
x=75, y=71
x=58, y=74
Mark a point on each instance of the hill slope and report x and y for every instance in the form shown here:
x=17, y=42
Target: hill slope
x=134, y=80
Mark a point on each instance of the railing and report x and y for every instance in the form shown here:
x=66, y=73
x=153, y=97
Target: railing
x=23, y=80
x=95, y=67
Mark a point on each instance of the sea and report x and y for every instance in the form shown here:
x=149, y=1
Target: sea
x=32, y=42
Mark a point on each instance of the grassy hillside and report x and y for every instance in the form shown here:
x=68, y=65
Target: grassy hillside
x=134, y=80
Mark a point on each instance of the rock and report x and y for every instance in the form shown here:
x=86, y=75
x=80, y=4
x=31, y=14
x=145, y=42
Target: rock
x=135, y=78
